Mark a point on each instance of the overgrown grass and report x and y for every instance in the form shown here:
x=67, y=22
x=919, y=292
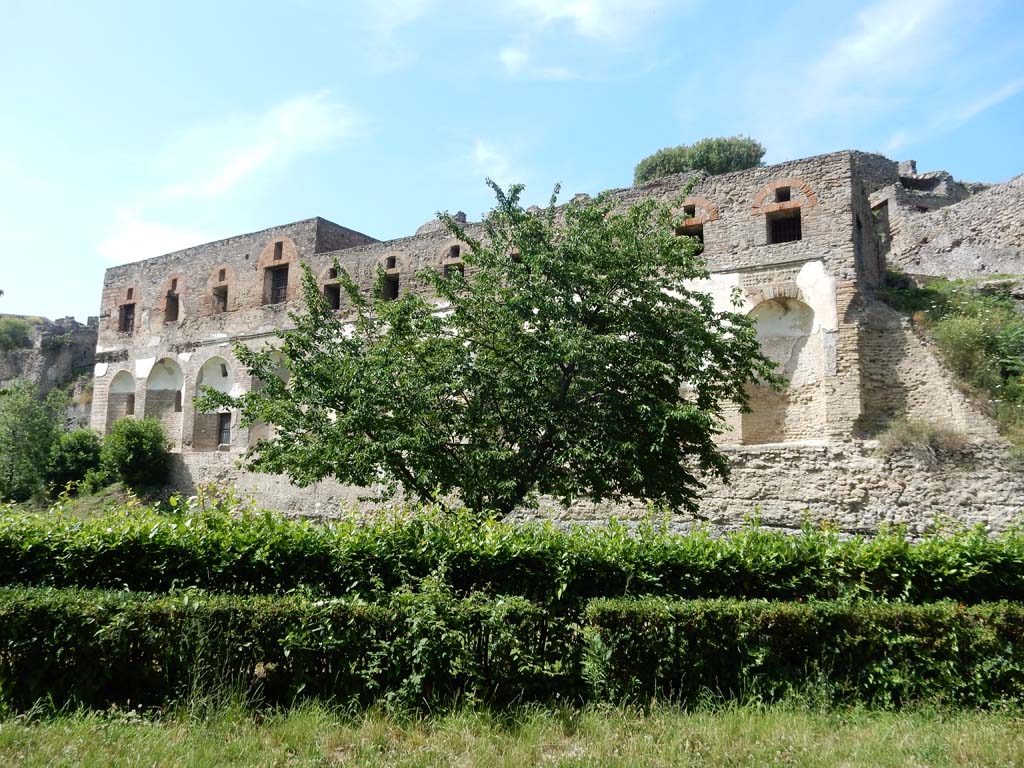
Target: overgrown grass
x=313, y=735
x=979, y=330
x=930, y=443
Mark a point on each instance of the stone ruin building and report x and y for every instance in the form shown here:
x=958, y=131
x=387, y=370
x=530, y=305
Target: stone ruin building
x=806, y=243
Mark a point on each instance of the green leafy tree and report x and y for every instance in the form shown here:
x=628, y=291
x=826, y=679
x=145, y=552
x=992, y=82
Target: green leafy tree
x=73, y=456
x=713, y=156
x=29, y=426
x=574, y=361
x=135, y=451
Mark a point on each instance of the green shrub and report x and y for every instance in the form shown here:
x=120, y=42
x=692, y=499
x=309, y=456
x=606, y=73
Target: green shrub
x=930, y=443
x=979, y=332
x=221, y=548
x=135, y=451
x=866, y=653
x=15, y=333
x=713, y=156
x=73, y=456
x=68, y=648
x=99, y=649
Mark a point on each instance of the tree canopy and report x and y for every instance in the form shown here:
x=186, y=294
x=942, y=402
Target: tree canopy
x=29, y=426
x=713, y=156
x=571, y=359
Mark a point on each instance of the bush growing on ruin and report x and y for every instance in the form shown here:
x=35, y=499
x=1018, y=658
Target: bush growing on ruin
x=713, y=156
x=574, y=362
x=136, y=453
x=15, y=333
x=73, y=456
x=29, y=426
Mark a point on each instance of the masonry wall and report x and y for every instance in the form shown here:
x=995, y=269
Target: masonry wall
x=978, y=236
x=852, y=364
x=849, y=486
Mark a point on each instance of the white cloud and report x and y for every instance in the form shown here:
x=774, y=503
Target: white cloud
x=228, y=153
x=892, y=41
x=952, y=119
x=135, y=239
x=492, y=162
x=517, y=62
x=606, y=20
x=970, y=111
x=385, y=16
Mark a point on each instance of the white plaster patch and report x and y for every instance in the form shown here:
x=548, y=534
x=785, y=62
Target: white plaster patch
x=143, y=366
x=184, y=357
x=819, y=290
x=100, y=370
x=153, y=342
x=720, y=285
x=237, y=390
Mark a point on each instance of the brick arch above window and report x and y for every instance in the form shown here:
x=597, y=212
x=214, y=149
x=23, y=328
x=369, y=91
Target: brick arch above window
x=695, y=211
x=274, y=265
x=764, y=200
x=123, y=307
x=169, y=305
x=220, y=290
x=278, y=251
x=759, y=294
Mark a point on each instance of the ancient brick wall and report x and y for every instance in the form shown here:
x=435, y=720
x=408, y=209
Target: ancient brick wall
x=804, y=243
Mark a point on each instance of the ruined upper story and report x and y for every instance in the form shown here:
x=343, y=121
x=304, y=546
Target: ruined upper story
x=814, y=209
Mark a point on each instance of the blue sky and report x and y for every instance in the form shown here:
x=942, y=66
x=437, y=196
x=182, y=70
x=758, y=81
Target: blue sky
x=132, y=129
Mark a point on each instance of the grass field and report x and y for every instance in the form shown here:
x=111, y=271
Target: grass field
x=315, y=736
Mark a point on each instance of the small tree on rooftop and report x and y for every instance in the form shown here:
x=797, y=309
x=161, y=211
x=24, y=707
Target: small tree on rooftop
x=573, y=360
x=713, y=156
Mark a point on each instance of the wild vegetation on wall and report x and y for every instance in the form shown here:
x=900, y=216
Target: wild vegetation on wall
x=978, y=328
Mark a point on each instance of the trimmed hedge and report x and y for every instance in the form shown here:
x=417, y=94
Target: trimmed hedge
x=97, y=649
x=220, y=550
x=880, y=654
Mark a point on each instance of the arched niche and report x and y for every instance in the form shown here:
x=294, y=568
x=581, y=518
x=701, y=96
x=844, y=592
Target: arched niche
x=213, y=431
x=785, y=330
x=120, y=397
x=164, y=390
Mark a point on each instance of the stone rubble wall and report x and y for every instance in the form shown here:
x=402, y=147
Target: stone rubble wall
x=850, y=486
x=979, y=236
x=61, y=356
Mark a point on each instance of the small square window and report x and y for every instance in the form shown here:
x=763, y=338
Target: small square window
x=783, y=195
x=131, y=291
x=222, y=276
x=690, y=211
x=276, y=285
x=126, y=318
x=390, y=262
x=454, y=252
x=784, y=226
x=278, y=250
x=451, y=269
x=332, y=273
